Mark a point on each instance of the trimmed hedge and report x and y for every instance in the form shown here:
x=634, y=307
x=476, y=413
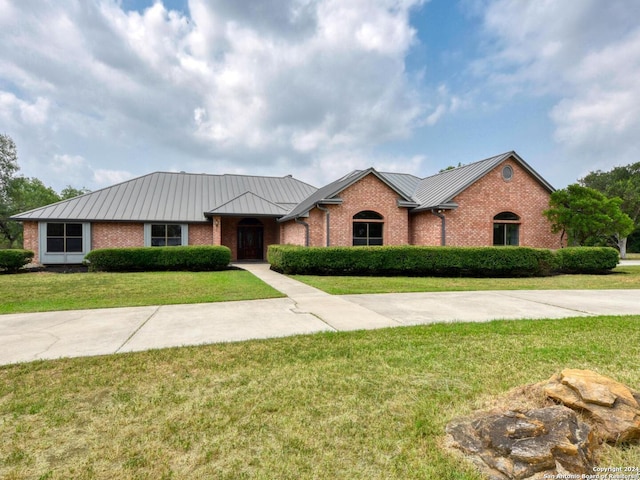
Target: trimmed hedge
x=440, y=261
x=412, y=261
x=14, y=259
x=192, y=258
x=587, y=259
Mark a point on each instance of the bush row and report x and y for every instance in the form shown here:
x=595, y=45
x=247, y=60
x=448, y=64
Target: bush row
x=586, y=259
x=194, y=258
x=13, y=260
x=439, y=261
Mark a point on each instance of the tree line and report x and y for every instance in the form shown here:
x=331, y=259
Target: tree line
x=20, y=194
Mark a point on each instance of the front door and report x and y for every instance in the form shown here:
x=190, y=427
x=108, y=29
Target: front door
x=250, y=240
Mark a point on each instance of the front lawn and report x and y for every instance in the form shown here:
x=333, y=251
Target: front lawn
x=621, y=278
x=357, y=405
x=40, y=292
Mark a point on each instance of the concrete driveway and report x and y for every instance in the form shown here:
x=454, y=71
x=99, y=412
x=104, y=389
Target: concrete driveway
x=33, y=336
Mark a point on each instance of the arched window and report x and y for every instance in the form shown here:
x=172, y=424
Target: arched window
x=367, y=228
x=506, y=229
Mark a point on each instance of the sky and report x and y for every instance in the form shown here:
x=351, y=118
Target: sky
x=95, y=92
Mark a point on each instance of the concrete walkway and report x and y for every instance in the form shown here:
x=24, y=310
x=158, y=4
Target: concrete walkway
x=33, y=336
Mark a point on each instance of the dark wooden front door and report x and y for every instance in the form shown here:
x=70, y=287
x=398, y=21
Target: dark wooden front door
x=250, y=242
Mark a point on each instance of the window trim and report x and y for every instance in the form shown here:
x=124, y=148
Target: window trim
x=184, y=230
x=64, y=257
x=507, y=173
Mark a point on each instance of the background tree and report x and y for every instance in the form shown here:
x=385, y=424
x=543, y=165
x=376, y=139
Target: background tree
x=622, y=182
x=19, y=194
x=8, y=163
x=585, y=216
x=23, y=194
x=70, y=192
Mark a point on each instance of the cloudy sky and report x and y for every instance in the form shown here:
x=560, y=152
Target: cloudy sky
x=94, y=92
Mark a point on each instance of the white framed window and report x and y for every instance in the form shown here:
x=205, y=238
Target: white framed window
x=166, y=234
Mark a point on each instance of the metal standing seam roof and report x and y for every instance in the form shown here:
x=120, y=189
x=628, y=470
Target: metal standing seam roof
x=185, y=197
x=177, y=197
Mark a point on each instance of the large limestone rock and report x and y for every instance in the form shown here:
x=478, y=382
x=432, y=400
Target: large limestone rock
x=525, y=445
x=612, y=407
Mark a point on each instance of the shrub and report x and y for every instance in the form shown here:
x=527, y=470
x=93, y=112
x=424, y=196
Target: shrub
x=193, y=258
x=14, y=259
x=587, y=259
x=412, y=261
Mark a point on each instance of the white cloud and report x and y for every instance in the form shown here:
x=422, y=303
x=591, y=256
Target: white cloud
x=76, y=170
x=13, y=108
x=103, y=177
x=586, y=55
x=239, y=83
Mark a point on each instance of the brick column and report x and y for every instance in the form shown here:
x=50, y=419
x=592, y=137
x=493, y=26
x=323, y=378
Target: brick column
x=217, y=231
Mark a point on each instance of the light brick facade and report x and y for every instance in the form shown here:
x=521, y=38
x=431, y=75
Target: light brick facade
x=110, y=234
x=201, y=234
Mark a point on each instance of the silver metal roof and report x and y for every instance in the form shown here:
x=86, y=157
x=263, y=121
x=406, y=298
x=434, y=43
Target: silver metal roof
x=179, y=197
x=185, y=197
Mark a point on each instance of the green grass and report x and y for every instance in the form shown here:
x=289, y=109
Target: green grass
x=621, y=278
x=356, y=405
x=38, y=292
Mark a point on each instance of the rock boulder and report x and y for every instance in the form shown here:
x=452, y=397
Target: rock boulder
x=613, y=408
x=525, y=445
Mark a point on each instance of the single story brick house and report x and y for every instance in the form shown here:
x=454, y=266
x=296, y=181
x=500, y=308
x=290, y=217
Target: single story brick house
x=496, y=201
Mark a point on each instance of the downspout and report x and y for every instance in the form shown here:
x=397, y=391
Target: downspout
x=327, y=216
x=443, y=228
x=306, y=227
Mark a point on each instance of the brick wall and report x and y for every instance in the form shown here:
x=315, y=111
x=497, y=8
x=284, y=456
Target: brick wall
x=292, y=233
x=471, y=224
x=425, y=229
x=30, y=235
x=116, y=234
x=201, y=234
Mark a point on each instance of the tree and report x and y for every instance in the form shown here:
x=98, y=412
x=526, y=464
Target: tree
x=585, y=215
x=622, y=182
x=22, y=194
x=8, y=163
x=71, y=192
x=19, y=194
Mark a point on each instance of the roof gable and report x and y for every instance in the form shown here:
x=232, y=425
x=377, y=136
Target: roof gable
x=330, y=191
x=249, y=204
x=439, y=190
